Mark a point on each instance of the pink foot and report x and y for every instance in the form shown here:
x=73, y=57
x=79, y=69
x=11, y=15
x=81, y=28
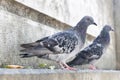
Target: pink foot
x=92, y=67
x=70, y=68
x=66, y=67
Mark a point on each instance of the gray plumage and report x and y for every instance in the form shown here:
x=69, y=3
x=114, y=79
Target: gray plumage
x=95, y=50
x=60, y=46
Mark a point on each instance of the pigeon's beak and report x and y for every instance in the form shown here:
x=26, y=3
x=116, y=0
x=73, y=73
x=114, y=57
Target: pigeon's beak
x=95, y=23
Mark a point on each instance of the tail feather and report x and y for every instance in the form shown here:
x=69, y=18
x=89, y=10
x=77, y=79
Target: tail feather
x=29, y=45
x=35, y=49
x=38, y=51
x=25, y=55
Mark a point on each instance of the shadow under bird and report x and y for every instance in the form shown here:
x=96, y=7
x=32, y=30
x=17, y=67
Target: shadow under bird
x=62, y=46
x=94, y=51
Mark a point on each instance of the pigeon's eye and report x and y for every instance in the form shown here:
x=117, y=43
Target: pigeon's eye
x=88, y=20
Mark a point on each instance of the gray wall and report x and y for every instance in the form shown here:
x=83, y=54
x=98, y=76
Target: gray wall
x=23, y=21
x=117, y=30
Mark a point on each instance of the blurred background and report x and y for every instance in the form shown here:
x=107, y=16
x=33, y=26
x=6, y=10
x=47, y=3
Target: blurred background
x=24, y=21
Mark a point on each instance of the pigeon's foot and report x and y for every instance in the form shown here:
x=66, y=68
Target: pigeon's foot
x=92, y=67
x=66, y=67
x=70, y=68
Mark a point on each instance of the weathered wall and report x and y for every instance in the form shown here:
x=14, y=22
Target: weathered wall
x=19, y=24
x=117, y=30
x=23, y=22
x=70, y=11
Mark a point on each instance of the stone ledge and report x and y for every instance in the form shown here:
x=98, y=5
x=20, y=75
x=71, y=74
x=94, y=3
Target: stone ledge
x=46, y=74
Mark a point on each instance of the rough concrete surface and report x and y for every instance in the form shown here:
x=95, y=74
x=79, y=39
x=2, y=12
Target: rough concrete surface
x=38, y=74
x=16, y=30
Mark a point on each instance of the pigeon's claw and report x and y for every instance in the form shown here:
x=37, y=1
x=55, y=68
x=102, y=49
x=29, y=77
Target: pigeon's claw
x=66, y=67
x=92, y=67
x=70, y=68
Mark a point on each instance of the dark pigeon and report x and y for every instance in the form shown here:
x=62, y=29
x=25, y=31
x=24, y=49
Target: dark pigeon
x=94, y=51
x=60, y=46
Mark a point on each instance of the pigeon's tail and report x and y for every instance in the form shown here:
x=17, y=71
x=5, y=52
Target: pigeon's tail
x=29, y=45
x=37, y=43
x=26, y=55
x=38, y=51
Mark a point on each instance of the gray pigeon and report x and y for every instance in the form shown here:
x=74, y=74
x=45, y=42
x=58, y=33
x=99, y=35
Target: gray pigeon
x=61, y=46
x=94, y=51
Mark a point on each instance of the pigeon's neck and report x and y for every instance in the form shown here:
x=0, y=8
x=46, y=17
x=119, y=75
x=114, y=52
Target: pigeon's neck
x=81, y=31
x=103, y=38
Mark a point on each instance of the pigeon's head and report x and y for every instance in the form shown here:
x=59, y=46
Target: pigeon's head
x=88, y=20
x=108, y=28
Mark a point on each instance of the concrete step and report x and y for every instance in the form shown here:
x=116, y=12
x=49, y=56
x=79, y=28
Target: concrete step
x=47, y=74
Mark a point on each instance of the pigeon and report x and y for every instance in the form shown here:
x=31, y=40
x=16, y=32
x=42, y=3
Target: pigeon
x=94, y=51
x=60, y=46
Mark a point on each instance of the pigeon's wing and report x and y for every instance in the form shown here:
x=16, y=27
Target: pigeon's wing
x=42, y=39
x=93, y=51
x=88, y=54
x=61, y=43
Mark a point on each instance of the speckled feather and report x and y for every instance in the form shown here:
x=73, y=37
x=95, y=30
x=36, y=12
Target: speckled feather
x=61, y=42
